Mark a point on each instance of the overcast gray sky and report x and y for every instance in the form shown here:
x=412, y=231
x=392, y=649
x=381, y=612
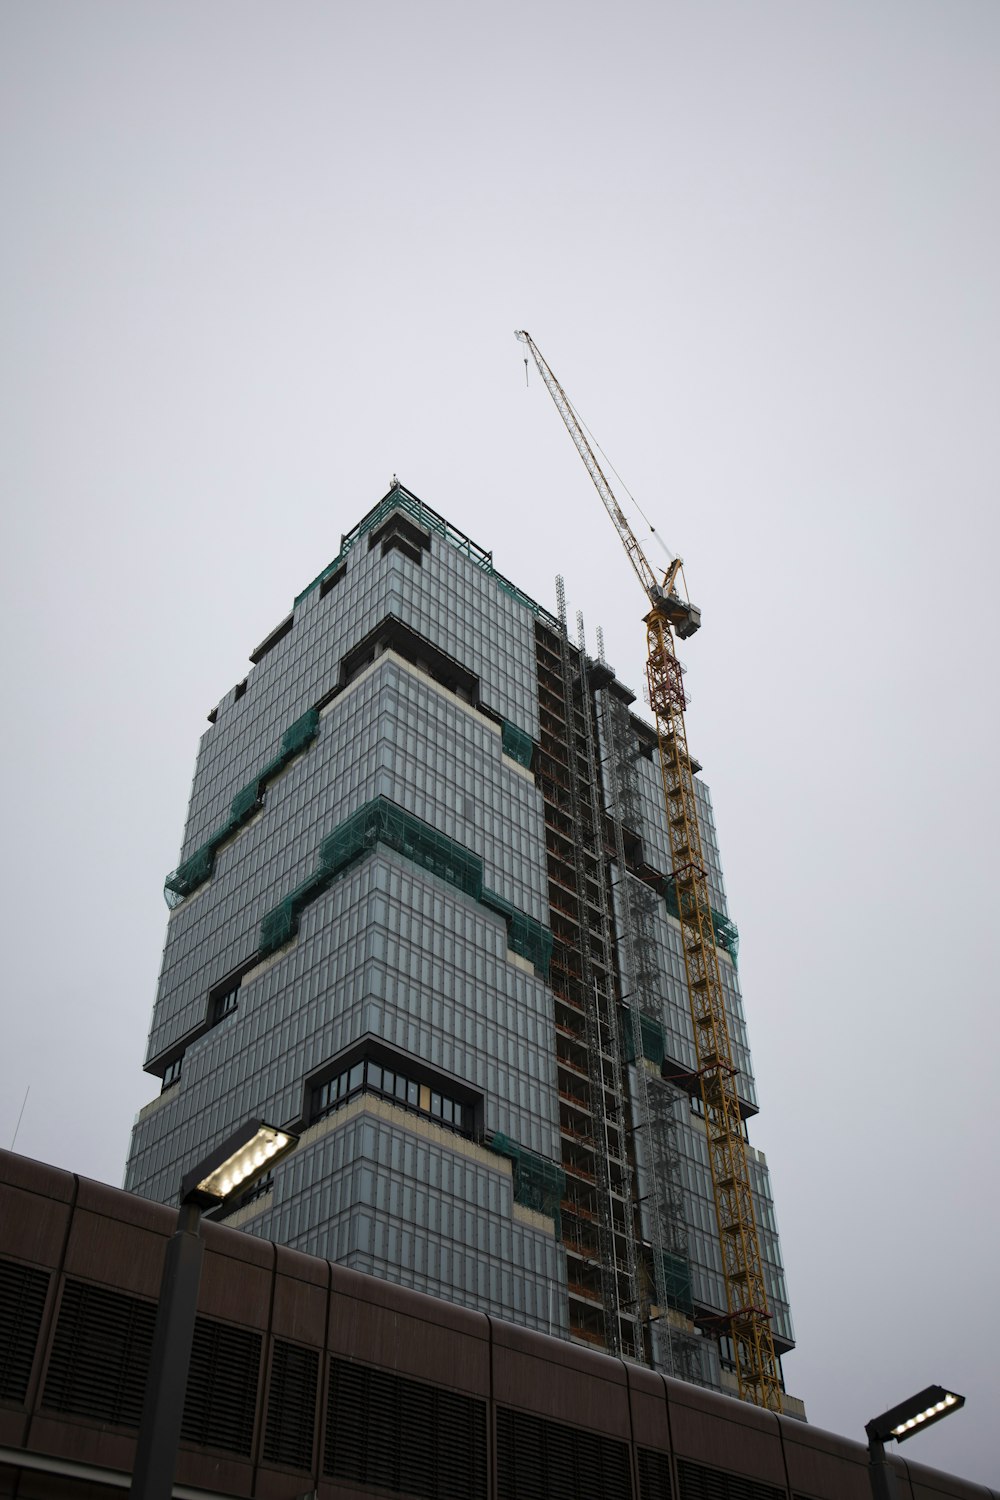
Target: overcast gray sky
x=258, y=257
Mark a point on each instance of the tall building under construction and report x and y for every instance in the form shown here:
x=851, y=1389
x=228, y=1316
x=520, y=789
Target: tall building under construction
x=424, y=917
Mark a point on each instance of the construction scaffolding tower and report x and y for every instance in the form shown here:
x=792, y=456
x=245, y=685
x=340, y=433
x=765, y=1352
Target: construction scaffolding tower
x=598, y=1221
x=674, y=1345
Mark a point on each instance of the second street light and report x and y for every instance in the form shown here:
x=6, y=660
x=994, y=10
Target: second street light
x=233, y=1167
x=899, y=1423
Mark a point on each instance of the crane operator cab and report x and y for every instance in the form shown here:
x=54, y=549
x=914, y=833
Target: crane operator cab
x=685, y=618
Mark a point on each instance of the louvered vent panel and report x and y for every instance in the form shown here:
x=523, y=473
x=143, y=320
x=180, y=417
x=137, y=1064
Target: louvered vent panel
x=100, y=1354
x=538, y=1459
x=22, y=1302
x=291, y=1406
x=654, y=1474
x=697, y=1482
x=222, y=1387
x=404, y=1435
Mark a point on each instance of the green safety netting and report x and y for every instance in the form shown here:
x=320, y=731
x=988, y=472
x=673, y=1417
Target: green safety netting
x=383, y=822
x=281, y=923
x=726, y=935
x=526, y=936
x=245, y=803
x=498, y=904
x=300, y=734
x=726, y=932
x=532, y=940
x=198, y=867
x=677, y=1281
x=517, y=744
x=538, y=1183
x=295, y=739
x=189, y=875
x=651, y=1038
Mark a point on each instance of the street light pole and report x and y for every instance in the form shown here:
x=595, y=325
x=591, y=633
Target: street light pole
x=232, y=1167
x=883, y=1480
x=163, y=1408
x=901, y=1422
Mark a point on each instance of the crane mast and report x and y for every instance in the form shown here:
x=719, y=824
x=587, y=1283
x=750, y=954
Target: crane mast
x=748, y=1318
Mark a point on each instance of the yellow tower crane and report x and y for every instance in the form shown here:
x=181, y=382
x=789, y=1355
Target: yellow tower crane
x=746, y=1295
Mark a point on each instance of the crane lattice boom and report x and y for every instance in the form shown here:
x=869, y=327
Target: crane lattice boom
x=743, y=1270
x=684, y=616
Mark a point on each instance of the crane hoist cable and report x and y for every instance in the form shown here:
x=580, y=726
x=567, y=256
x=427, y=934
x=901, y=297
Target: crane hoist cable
x=748, y=1318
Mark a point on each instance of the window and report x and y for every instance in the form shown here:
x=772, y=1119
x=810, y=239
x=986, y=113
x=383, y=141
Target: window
x=370, y=1077
x=224, y=1005
x=172, y=1072
x=224, y=996
x=397, y=531
x=331, y=580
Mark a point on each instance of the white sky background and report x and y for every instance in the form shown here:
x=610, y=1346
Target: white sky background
x=256, y=258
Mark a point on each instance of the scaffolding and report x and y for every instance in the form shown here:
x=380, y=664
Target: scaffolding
x=650, y=1038
x=672, y=1347
x=382, y=821
x=525, y=935
x=538, y=1183
x=617, y=1118
x=598, y=1219
x=725, y=931
x=199, y=866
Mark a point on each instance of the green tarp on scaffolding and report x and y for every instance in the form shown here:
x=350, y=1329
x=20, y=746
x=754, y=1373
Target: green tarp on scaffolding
x=531, y=939
x=538, y=1183
x=652, y=1040
x=677, y=1281
x=282, y=922
x=517, y=744
x=198, y=867
x=188, y=876
x=726, y=932
x=383, y=822
x=295, y=739
x=300, y=734
x=244, y=804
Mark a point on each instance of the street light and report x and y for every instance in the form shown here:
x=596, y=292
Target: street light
x=901, y=1422
x=253, y=1150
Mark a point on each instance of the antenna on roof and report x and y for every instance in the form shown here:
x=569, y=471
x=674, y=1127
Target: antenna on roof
x=20, y=1116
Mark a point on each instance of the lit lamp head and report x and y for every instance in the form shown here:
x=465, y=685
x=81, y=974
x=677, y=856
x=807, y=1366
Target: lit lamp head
x=911, y=1416
x=235, y=1165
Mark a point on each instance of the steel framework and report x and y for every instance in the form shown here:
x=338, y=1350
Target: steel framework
x=748, y=1318
x=654, y=1117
